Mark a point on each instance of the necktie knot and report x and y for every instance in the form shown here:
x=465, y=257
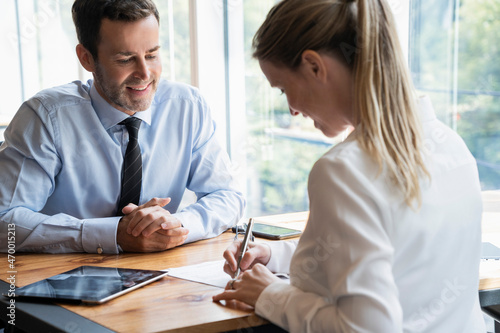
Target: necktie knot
x=132, y=124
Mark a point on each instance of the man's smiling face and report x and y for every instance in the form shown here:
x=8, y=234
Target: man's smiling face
x=128, y=67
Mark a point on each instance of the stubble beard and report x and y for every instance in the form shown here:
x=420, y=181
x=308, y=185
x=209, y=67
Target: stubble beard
x=117, y=95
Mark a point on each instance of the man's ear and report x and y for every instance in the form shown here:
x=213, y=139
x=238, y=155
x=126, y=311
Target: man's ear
x=314, y=65
x=86, y=58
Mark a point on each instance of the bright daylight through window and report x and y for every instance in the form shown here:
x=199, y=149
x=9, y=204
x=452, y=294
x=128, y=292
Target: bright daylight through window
x=454, y=59
x=453, y=56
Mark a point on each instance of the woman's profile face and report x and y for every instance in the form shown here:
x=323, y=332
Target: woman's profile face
x=320, y=89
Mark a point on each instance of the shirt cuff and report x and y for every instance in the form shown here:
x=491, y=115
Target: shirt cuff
x=270, y=302
x=281, y=255
x=99, y=235
x=188, y=221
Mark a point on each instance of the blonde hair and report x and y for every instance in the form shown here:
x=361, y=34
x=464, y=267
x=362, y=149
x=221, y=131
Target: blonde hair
x=363, y=34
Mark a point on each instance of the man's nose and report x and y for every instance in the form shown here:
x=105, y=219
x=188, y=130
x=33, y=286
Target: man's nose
x=142, y=70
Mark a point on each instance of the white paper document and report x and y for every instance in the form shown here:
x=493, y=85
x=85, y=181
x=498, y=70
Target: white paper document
x=210, y=272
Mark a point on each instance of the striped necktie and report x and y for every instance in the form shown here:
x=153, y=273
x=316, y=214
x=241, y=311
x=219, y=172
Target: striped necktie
x=132, y=166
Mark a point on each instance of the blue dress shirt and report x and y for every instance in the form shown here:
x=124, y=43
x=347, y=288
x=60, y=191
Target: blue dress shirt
x=62, y=159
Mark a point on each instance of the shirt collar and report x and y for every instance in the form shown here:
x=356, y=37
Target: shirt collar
x=110, y=116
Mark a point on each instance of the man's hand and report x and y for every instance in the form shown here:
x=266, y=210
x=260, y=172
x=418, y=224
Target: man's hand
x=149, y=228
x=150, y=217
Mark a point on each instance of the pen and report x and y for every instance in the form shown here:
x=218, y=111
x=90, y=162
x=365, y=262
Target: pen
x=244, y=245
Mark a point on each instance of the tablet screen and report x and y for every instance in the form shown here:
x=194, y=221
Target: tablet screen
x=90, y=284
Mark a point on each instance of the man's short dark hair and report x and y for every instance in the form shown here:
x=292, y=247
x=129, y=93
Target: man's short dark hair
x=88, y=16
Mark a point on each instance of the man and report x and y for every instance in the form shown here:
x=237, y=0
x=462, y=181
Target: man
x=79, y=156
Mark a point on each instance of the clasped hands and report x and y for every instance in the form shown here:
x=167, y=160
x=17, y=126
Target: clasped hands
x=149, y=228
x=248, y=286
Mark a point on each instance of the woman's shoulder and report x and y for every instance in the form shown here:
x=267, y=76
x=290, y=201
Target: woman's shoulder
x=347, y=156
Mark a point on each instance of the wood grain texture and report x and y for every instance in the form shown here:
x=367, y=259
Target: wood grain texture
x=167, y=305
x=175, y=305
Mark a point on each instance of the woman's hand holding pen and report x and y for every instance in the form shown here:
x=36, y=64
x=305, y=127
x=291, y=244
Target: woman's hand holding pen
x=248, y=286
x=255, y=277
x=256, y=253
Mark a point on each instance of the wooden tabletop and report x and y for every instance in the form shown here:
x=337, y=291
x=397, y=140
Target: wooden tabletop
x=167, y=305
x=175, y=305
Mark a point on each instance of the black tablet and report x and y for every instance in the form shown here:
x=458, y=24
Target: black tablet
x=89, y=284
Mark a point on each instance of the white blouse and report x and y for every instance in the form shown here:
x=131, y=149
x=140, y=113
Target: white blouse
x=367, y=262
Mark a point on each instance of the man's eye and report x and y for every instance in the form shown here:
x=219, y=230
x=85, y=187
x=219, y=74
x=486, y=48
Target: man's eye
x=124, y=61
x=151, y=56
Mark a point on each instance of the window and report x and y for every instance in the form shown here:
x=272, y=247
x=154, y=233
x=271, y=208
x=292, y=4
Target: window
x=37, y=51
x=38, y=48
x=453, y=56
x=277, y=151
x=454, y=59
x=451, y=46
x=280, y=149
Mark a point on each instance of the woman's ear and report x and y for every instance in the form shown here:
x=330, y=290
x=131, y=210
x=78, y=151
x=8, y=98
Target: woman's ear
x=86, y=58
x=314, y=65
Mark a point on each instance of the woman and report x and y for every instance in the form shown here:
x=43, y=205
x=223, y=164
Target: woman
x=393, y=238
